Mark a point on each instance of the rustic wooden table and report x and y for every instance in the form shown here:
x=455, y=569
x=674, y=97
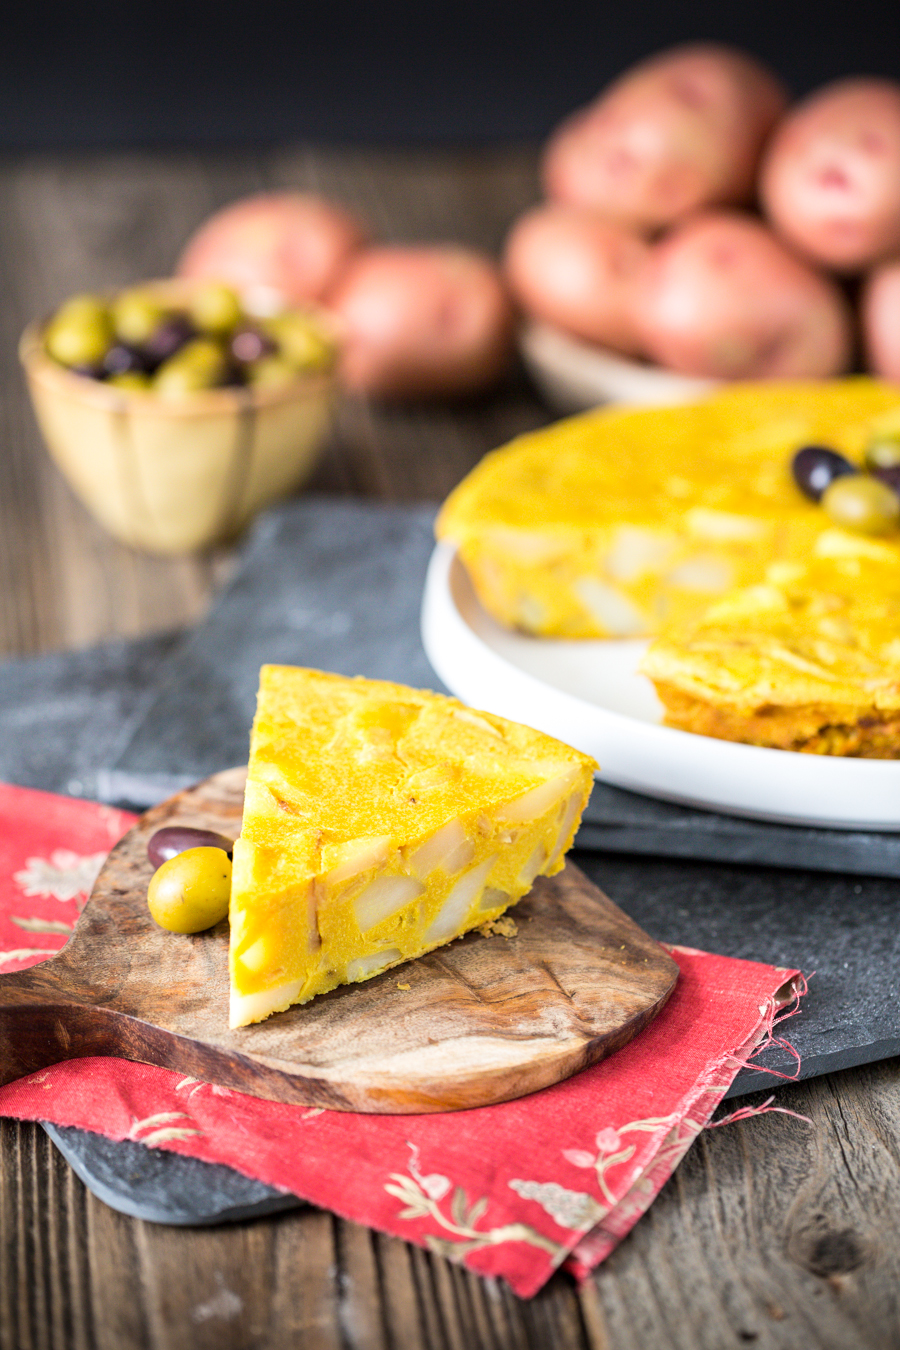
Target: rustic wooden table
x=771, y=1232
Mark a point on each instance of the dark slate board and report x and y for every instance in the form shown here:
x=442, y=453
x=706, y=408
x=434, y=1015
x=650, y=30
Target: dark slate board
x=164, y=1187
x=65, y=715
x=333, y=584
x=337, y=585
x=842, y=930
x=617, y=821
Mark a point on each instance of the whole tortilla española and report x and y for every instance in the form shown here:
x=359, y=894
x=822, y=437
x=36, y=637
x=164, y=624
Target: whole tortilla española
x=620, y=521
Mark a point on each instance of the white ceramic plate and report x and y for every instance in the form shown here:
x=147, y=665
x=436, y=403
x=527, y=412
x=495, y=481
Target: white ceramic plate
x=588, y=694
x=574, y=375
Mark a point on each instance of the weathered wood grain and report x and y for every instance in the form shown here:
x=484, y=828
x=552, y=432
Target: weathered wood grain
x=482, y=1020
x=755, y=1241
x=722, y=1259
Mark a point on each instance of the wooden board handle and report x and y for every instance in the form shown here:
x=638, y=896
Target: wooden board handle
x=43, y=1021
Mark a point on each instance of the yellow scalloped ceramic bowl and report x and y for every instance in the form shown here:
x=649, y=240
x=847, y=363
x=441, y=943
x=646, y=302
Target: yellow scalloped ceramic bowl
x=174, y=477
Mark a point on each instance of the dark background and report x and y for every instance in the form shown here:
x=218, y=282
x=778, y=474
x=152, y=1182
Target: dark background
x=220, y=72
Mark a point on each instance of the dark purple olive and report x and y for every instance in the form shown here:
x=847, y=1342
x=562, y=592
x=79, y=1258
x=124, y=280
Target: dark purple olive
x=815, y=468
x=890, y=475
x=174, y=839
x=168, y=338
x=121, y=359
x=249, y=344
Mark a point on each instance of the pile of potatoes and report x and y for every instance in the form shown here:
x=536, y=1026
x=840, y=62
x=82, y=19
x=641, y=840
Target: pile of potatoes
x=693, y=219
x=411, y=322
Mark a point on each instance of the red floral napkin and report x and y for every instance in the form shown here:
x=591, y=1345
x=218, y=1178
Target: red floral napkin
x=515, y=1190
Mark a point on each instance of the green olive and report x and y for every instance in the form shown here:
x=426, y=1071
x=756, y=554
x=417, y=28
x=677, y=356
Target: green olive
x=861, y=503
x=190, y=892
x=83, y=306
x=883, y=451
x=79, y=332
x=214, y=308
x=130, y=379
x=197, y=365
x=300, y=341
x=271, y=372
x=136, y=314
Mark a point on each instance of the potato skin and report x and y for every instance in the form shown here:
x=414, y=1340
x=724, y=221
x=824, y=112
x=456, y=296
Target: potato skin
x=292, y=243
x=880, y=314
x=830, y=179
x=419, y=322
x=573, y=268
x=721, y=296
x=677, y=132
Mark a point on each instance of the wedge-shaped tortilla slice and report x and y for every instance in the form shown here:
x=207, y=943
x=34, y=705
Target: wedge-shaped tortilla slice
x=380, y=822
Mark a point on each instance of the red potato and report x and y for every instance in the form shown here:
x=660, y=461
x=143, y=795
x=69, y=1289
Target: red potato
x=880, y=314
x=277, y=245
x=415, y=322
x=721, y=296
x=830, y=180
x=681, y=130
x=574, y=269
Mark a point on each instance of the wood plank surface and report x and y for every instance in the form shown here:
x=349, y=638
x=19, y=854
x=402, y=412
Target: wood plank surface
x=772, y=1232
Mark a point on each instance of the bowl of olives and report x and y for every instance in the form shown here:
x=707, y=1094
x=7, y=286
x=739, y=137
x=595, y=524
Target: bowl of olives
x=174, y=413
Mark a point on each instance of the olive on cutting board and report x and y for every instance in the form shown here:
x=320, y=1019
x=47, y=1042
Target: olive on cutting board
x=174, y=839
x=190, y=892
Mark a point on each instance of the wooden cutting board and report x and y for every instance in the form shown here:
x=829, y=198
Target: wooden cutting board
x=483, y=1020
